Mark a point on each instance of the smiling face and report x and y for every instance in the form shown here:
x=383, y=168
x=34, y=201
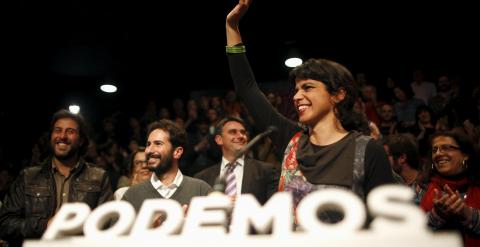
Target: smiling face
x=447, y=156
x=140, y=167
x=232, y=138
x=65, y=139
x=312, y=101
x=160, y=152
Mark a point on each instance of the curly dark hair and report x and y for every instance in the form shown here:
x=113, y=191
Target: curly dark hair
x=178, y=136
x=336, y=77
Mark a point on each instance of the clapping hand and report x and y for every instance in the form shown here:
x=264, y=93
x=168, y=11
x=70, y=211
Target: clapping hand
x=450, y=205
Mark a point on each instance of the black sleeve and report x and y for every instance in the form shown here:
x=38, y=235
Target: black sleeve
x=257, y=104
x=377, y=168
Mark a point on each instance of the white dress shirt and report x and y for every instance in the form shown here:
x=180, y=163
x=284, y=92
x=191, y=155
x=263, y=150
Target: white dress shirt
x=167, y=191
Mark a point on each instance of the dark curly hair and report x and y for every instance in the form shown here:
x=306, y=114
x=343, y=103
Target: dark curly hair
x=336, y=77
x=178, y=136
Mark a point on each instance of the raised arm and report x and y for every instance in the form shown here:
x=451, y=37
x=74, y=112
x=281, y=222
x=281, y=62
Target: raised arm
x=233, y=19
x=246, y=86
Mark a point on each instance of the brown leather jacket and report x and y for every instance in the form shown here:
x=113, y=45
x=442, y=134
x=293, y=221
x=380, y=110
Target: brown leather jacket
x=31, y=201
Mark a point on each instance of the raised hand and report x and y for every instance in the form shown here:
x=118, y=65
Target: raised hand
x=233, y=19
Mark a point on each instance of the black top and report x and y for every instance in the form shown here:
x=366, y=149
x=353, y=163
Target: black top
x=332, y=164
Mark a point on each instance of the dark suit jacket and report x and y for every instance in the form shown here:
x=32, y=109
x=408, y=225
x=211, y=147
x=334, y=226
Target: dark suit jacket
x=259, y=178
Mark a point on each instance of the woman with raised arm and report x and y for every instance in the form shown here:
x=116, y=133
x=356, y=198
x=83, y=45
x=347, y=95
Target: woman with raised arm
x=327, y=147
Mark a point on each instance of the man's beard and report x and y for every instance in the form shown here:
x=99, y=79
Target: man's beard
x=62, y=156
x=165, y=165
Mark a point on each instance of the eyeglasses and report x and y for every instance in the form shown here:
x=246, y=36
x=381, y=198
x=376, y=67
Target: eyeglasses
x=444, y=148
x=139, y=162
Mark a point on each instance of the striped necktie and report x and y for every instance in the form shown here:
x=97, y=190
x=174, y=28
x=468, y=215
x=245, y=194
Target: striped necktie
x=231, y=182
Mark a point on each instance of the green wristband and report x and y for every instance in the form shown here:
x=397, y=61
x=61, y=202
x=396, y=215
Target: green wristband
x=235, y=49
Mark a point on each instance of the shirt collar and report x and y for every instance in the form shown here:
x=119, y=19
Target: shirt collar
x=225, y=162
x=72, y=171
x=157, y=184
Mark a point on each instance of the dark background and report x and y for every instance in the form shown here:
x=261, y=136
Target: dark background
x=56, y=53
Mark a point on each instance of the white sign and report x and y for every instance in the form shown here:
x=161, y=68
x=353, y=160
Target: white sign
x=395, y=219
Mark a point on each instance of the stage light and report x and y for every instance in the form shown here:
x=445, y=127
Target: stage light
x=75, y=109
x=108, y=88
x=293, y=55
x=293, y=62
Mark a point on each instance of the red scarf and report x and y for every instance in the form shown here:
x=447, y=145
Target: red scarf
x=472, y=200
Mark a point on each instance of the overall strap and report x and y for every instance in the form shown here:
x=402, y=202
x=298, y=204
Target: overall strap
x=359, y=165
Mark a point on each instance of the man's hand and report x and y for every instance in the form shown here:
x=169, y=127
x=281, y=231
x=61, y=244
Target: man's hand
x=158, y=219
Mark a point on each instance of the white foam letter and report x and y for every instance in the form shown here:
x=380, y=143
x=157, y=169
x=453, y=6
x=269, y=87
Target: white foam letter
x=172, y=210
x=339, y=200
x=276, y=214
x=394, y=210
x=68, y=221
x=109, y=211
x=207, y=215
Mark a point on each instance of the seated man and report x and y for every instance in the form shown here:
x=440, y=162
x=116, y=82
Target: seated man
x=165, y=146
x=249, y=175
x=39, y=191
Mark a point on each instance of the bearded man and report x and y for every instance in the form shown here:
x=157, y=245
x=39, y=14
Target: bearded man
x=165, y=146
x=39, y=191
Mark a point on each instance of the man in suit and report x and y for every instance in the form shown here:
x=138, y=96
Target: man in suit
x=250, y=176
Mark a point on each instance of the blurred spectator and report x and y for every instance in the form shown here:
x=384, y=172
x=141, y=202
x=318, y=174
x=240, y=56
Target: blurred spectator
x=137, y=172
